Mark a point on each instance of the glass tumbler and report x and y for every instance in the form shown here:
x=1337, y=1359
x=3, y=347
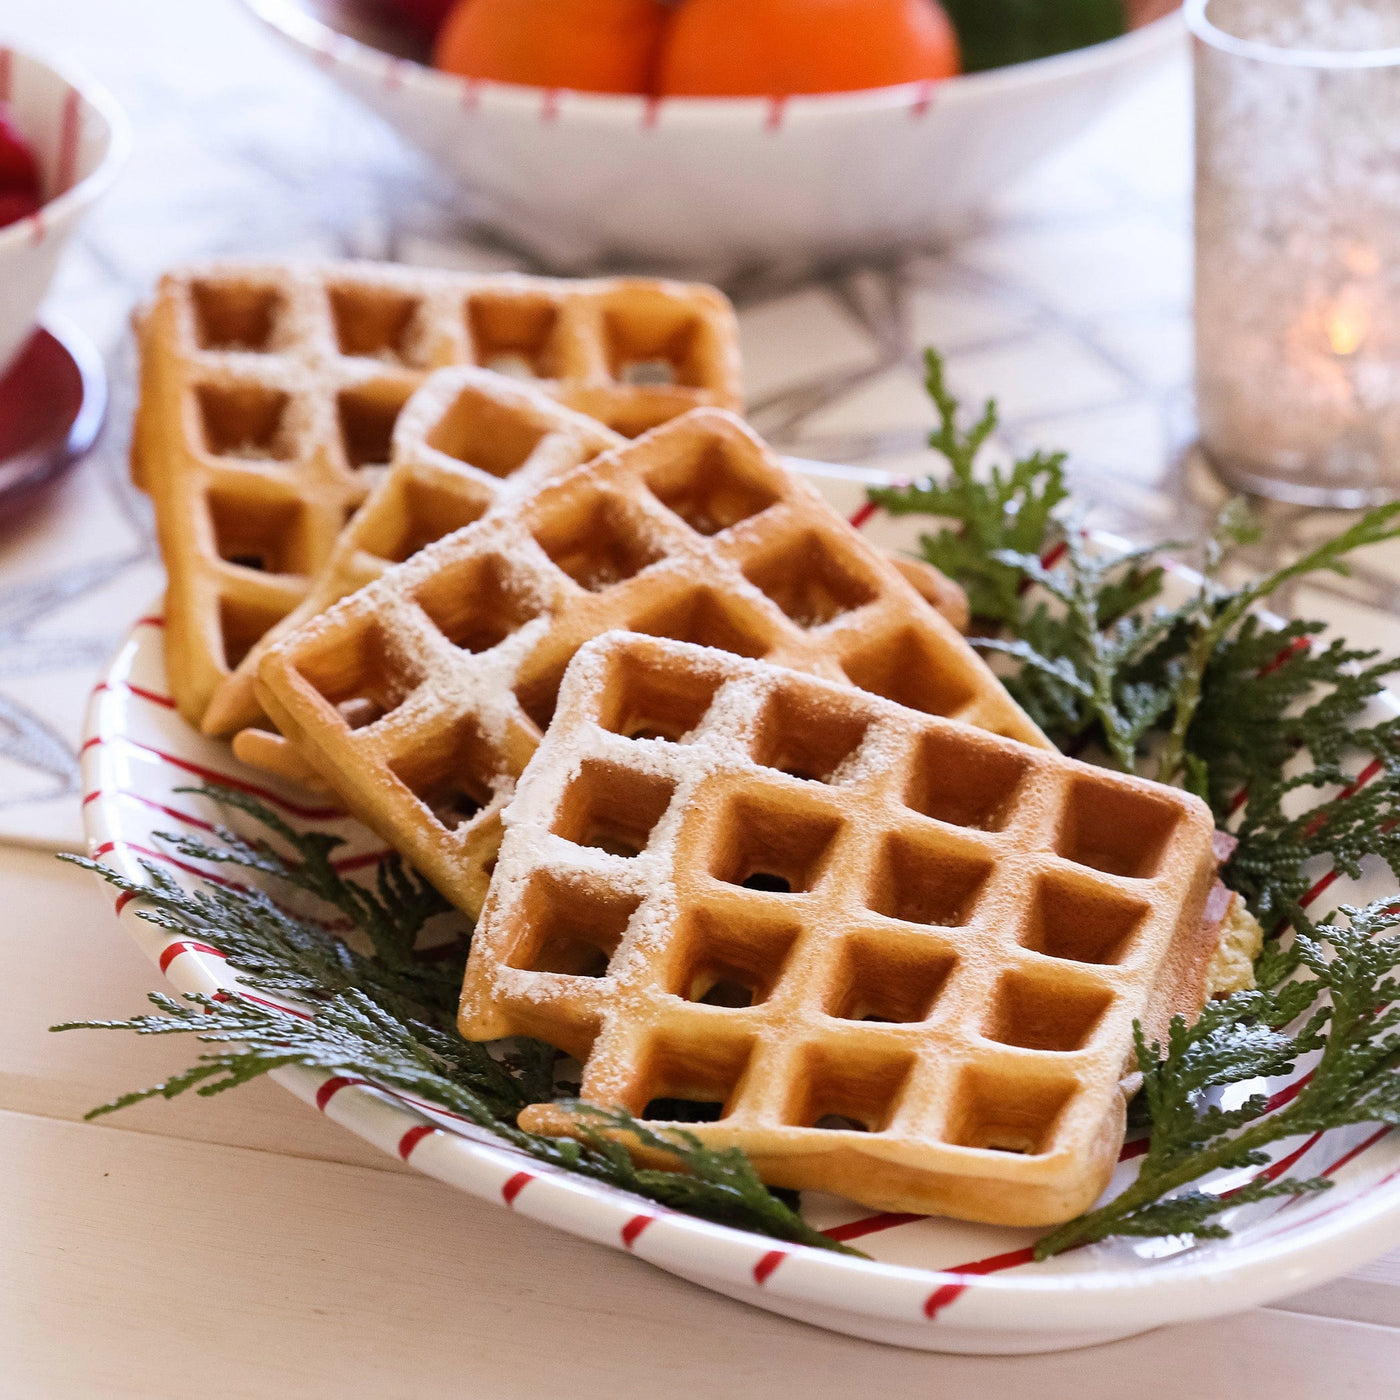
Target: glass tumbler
x=1298, y=246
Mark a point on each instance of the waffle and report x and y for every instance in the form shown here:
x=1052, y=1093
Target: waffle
x=423, y=696
x=885, y=954
x=467, y=441
x=269, y=394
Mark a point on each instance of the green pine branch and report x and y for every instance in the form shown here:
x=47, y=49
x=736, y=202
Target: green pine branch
x=1343, y=994
x=387, y=1015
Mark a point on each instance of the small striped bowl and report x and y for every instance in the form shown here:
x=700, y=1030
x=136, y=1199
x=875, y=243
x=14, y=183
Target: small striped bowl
x=81, y=140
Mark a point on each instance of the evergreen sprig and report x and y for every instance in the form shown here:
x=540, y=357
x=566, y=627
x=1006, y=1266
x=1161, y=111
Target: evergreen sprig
x=1012, y=510
x=1339, y=981
x=387, y=1016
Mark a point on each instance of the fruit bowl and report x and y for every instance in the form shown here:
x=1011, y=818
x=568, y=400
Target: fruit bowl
x=714, y=183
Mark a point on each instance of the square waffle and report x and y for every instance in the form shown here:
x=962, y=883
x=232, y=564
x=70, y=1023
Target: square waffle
x=422, y=697
x=269, y=394
x=885, y=954
x=467, y=441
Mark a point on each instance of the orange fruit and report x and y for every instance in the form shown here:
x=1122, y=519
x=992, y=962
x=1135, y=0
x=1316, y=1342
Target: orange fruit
x=587, y=45
x=774, y=48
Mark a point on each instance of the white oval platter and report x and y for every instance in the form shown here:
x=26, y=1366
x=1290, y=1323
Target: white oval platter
x=934, y=1284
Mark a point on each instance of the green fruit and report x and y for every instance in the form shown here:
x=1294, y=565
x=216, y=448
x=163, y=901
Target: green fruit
x=995, y=33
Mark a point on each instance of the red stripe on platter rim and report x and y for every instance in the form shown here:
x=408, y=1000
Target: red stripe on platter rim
x=1292, y=1226
x=107, y=847
x=332, y=1087
x=514, y=1186
x=141, y=693
x=949, y=1292
x=413, y=1137
x=171, y=951
x=222, y=779
x=343, y=865
x=633, y=1230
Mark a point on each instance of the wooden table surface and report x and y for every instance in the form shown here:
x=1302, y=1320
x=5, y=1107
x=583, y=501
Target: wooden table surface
x=247, y=1247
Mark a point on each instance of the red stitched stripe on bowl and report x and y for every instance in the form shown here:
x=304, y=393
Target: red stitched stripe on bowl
x=413, y=1137
x=923, y=100
x=151, y=620
x=777, y=110
x=651, y=113
x=632, y=1231
x=171, y=951
x=515, y=1186
x=7, y=64
x=332, y=1087
x=863, y=515
x=470, y=94
x=549, y=105
x=38, y=228
x=763, y=1270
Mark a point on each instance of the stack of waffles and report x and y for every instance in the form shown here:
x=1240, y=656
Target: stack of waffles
x=270, y=393
x=748, y=827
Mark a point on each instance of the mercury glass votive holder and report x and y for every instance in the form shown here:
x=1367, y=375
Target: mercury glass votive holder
x=1298, y=246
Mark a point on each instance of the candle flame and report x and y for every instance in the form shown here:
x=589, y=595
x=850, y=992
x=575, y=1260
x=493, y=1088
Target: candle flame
x=1348, y=323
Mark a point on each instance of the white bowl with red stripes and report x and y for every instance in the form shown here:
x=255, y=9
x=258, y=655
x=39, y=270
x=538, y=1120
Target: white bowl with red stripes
x=80, y=139
x=717, y=182
x=934, y=1284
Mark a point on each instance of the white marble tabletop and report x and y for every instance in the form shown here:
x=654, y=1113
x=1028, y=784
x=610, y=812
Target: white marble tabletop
x=248, y=1247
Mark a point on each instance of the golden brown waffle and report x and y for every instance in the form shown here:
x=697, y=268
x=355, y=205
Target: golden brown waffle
x=885, y=954
x=465, y=442
x=422, y=697
x=269, y=394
